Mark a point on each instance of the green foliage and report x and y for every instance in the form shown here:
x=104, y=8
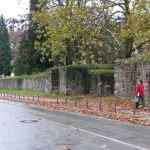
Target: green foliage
x=39, y=62
x=91, y=33
x=138, y=21
x=135, y=30
x=70, y=28
x=22, y=64
x=5, y=51
x=30, y=60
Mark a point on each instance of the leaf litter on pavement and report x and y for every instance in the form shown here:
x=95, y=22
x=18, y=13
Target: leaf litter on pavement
x=109, y=107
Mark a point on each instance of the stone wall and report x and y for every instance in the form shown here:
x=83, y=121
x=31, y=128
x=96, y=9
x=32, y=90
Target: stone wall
x=30, y=83
x=69, y=80
x=8, y=84
x=72, y=82
x=102, y=85
x=78, y=81
x=127, y=75
x=38, y=84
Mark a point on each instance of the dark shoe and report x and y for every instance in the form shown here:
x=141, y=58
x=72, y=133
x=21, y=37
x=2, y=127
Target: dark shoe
x=145, y=109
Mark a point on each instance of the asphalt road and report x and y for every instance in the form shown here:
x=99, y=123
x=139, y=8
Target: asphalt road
x=25, y=127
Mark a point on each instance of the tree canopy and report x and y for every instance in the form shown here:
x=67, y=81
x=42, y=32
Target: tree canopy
x=5, y=50
x=91, y=31
x=29, y=59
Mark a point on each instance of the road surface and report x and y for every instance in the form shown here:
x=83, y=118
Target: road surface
x=24, y=127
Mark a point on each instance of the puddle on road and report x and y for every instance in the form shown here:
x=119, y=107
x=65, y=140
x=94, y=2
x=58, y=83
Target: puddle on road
x=28, y=121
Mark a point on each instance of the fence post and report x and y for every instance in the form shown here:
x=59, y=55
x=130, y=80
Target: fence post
x=87, y=104
x=100, y=105
x=133, y=110
x=66, y=101
x=115, y=107
x=57, y=100
x=28, y=97
x=75, y=103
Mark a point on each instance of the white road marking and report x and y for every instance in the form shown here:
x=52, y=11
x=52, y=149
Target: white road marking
x=108, y=138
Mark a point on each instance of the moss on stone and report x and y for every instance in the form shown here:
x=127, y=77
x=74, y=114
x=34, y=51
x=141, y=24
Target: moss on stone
x=102, y=72
x=87, y=66
x=25, y=76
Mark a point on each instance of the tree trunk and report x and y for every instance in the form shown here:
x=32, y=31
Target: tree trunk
x=69, y=52
x=127, y=48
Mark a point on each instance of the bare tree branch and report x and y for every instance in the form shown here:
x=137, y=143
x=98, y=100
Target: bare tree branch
x=112, y=34
x=141, y=44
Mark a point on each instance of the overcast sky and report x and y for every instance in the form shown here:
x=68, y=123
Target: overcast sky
x=12, y=8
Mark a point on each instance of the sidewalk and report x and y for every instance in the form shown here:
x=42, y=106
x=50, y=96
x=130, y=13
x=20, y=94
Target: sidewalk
x=107, y=107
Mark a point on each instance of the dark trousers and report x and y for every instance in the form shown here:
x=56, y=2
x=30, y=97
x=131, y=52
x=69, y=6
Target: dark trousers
x=140, y=98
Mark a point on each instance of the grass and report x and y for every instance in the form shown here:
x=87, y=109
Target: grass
x=25, y=92
x=40, y=93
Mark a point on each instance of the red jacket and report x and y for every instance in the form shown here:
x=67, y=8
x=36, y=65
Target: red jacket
x=139, y=90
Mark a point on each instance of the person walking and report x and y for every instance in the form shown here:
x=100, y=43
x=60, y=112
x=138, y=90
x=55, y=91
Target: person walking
x=139, y=95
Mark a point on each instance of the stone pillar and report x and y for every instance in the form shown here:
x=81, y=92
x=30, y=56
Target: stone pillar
x=48, y=82
x=71, y=81
x=127, y=75
x=62, y=82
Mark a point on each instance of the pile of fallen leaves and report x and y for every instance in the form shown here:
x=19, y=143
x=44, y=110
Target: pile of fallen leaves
x=109, y=107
